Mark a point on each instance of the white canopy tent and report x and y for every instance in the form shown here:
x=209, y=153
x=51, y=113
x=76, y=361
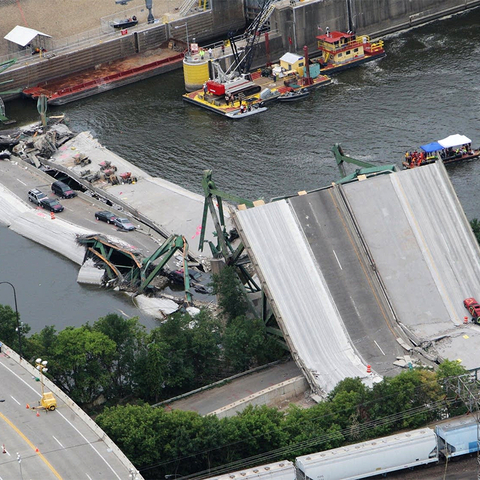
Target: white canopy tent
x=454, y=141
x=23, y=37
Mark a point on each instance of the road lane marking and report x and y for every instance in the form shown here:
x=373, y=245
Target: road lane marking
x=355, y=307
x=89, y=477
x=338, y=261
x=58, y=441
x=14, y=399
x=31, y=445
x=379, y=347
x=66, y=420
x=18, y=180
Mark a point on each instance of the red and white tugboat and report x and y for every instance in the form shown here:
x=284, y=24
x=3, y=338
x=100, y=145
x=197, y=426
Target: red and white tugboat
x=342, y=50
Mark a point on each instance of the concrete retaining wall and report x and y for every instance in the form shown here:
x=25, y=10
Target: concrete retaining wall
x=271, y=396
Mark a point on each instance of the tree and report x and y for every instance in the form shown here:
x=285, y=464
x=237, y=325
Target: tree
x=80, y=363
x=475, y=224
x=8, y=328
x=244, y=342
x=205, y=348
x=232, y=299
x=151, y=371
x=129, y=337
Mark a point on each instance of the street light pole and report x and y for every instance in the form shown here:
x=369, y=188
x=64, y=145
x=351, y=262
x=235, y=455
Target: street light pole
x=18, y=320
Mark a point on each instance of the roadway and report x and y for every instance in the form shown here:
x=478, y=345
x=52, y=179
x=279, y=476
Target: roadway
x=19, y=177
x=350, y=269
x=348, y=276
x=63, y=444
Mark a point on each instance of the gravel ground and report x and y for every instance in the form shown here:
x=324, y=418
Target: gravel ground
x=460, y=469
x=64, y=18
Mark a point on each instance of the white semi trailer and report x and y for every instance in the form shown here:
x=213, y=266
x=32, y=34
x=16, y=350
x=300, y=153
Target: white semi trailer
x=283, y=470
x=367, y=459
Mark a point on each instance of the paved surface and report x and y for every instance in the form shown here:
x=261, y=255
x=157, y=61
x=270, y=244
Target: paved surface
x=297, y=290
x=214, y=399
x=174, y=209
x=63, y=444
x=62, y=19
x=426, y=253
x=306, y=252
x=349, y=279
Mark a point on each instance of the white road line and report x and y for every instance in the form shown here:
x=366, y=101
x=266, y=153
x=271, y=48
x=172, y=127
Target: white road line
x=14, y=399
x=355, y=307
x=58, y=441
x=379, y=347
x=18, y=180
x=89, y=477
x=66, y=420
x=337, y=260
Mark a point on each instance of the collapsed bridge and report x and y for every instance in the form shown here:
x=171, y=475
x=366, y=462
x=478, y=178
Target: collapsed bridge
x=359, y=273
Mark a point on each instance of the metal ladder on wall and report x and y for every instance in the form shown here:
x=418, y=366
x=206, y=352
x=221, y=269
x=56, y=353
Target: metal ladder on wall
x=188, y=5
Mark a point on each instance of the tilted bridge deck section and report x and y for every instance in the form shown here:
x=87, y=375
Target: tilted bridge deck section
x=349, y=269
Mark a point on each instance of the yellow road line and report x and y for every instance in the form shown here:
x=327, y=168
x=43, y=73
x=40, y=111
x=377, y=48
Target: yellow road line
x=31, y=445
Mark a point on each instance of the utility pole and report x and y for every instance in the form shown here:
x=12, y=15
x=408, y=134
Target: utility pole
x=467, y=388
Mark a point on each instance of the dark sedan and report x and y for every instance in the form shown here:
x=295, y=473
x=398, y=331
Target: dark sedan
x=124, y=224
x=51, y=204
x=105, y=216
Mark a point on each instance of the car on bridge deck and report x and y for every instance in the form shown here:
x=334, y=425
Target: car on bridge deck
x=123, y=224
x=105, y=216
x=474, y=308
x=51, y=204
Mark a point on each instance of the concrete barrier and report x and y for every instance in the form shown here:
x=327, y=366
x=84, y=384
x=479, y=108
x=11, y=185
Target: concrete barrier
x=271, y=396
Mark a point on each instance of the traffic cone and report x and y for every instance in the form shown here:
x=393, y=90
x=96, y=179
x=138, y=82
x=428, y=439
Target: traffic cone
x=4, y=450
x=37, y=450
x=52, y=215
x=465, y=319
x=38, y=414
x=28, y=406
x=369, y=369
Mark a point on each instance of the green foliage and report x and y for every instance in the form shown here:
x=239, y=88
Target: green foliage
x=243, y=341
x=450, y=368
x=231, y=296
x=129, y=337
x=8, y=328
x=475, y=224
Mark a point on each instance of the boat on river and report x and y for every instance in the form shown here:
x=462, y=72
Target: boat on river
x=294, y=95
x=247, y=112
x=342, y=50
x=452, y=149
x=225, y=92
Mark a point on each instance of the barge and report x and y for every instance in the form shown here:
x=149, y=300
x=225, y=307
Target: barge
x=225, y=93
x=106, y=77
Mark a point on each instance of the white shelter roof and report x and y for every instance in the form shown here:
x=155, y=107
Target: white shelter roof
x=454, y=141
x=23, y=35
x=290, y=57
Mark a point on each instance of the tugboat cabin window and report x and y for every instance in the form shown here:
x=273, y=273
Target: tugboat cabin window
x=300, y=64
x=355, y=50
x=340, y=54
x=347, y=52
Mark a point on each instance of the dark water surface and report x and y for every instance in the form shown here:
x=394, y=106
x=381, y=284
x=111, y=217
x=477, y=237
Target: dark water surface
x=425, y=89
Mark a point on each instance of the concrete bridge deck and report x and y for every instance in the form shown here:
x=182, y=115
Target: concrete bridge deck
x=350, y=269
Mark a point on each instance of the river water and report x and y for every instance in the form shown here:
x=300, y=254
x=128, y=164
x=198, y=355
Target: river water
x=425, y=89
